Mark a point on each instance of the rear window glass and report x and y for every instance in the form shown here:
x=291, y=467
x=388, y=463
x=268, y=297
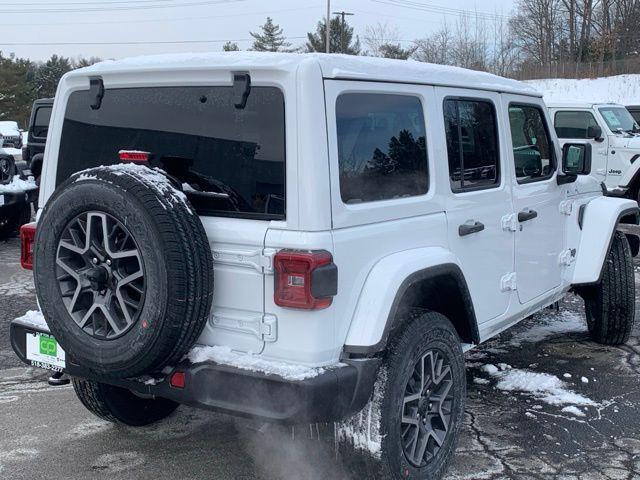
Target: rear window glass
x=229, y=161
x=381, y=147
x=41, y=122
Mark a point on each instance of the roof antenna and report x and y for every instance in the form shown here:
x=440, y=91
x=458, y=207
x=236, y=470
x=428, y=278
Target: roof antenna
x=96, y=92
x=241, y=89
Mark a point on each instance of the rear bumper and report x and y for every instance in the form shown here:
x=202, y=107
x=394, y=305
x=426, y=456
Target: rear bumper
x=330, y=396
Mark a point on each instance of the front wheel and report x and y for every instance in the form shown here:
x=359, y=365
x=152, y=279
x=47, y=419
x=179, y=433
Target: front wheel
x=610, y=305
x=422, y=404
x=119, y=405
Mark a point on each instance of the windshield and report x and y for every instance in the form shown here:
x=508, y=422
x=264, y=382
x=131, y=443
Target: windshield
x=619, y=119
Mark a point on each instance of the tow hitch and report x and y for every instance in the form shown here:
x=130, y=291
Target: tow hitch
x=58, y=379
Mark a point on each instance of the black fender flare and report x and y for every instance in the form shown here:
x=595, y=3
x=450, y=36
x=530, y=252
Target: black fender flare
x=448, y=270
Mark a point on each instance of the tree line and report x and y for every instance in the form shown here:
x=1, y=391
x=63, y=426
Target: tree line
x=22, y=81
x=538, y=38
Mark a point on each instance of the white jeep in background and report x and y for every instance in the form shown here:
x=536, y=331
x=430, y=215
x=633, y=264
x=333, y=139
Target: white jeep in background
x=294, y=237
x=615, y=139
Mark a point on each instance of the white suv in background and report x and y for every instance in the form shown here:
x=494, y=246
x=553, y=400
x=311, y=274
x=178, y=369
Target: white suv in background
x=300, y=237
x=615, y=139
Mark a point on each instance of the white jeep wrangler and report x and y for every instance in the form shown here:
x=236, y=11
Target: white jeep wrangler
x=290, y=237
x=613, y=134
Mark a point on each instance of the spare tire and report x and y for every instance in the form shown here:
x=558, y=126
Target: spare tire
x=123, y=270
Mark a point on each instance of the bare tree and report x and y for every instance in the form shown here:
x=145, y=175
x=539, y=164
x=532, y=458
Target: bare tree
x=436, y=48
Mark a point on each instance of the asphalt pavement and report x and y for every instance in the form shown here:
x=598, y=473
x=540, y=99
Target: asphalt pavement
x=544, y=402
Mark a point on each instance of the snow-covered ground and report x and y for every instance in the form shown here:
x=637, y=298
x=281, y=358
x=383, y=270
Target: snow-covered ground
x=18, y=185
x=623, y=89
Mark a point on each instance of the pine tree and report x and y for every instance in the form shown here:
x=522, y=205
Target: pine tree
x=230, y=47
x=49, y=74
x=271, y=39
x=339, y=41
x=17, y=90
x=394, y=50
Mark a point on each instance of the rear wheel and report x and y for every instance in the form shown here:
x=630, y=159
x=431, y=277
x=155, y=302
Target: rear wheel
x=119, y=405
x=422, y=406
x=610, y=305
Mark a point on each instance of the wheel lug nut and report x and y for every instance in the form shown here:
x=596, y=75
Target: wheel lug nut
x=108, y=262
x=95, y=260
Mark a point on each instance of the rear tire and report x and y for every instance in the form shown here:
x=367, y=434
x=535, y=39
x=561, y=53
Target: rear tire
x=610, y=305
x=428, y=406
x=119, y=405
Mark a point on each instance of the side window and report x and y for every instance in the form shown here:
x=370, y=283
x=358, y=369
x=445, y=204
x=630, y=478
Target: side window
x=41, y=122
x=472, y=144
x=574, y=124
x=382, y=150
x=532, y=146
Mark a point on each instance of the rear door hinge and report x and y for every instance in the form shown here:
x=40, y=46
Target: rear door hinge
x=508, y=282
x=567, y=256
x=266, y=260
x=269, y=328
x=509, y=222
x=566, y=207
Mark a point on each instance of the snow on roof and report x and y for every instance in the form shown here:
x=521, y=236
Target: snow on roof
x=9, y=128
x=332, y=66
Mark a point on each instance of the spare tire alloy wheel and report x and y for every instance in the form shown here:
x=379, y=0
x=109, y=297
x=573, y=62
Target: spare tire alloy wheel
x=101, y=275
x=123, y=271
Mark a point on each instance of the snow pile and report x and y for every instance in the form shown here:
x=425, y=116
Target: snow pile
x=223, y=355
x=623, y=89
x=543, y=386
x=550, y=325
x=573, y=410
x=17, y=185
x=33, y=318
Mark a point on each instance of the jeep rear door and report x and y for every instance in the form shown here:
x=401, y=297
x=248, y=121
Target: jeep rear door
x=478, y=197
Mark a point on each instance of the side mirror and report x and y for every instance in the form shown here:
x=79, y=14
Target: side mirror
x=595, y=132
x=576, y=158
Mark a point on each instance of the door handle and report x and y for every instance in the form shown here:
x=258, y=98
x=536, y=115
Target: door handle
x=469, y=228
x=525, y=215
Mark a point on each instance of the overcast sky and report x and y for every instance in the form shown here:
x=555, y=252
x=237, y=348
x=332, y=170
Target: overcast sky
x=38, y=28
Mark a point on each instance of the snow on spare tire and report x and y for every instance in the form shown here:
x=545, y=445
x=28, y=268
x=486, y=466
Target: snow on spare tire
x=123, y=270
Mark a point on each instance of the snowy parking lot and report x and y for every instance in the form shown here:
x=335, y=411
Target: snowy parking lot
x=544, y=402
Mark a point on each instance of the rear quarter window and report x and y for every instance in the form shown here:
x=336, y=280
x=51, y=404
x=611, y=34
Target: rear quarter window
x=229, y=161
x=382, y=151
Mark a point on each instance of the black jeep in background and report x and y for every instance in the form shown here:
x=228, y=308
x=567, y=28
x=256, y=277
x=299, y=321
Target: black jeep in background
x=33, y=150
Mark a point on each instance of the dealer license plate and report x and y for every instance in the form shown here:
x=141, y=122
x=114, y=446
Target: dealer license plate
x=43, y=351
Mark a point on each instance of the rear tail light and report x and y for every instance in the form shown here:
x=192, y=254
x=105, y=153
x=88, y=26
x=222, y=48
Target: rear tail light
x=133, y=156
x=305, y=279
x=27, y=237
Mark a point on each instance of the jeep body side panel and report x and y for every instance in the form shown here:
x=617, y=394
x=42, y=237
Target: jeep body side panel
x=632, y=172
x=599, y=221
x=372, y=320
